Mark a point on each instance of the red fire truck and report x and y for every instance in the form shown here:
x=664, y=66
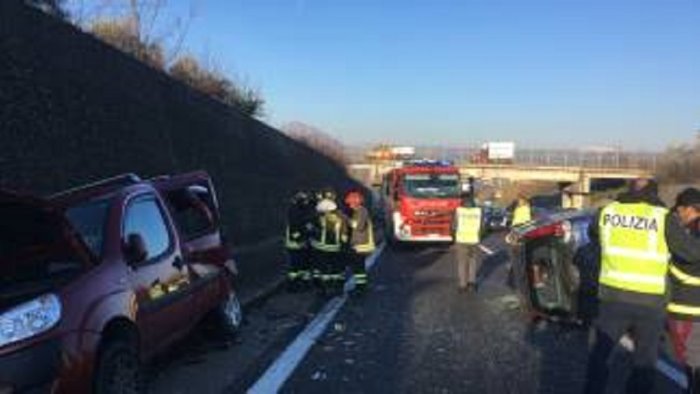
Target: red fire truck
x=420, y=198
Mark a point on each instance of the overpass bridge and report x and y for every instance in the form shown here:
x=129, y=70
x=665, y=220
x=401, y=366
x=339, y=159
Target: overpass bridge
x=575, y=181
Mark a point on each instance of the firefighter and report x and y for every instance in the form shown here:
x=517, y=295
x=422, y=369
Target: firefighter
x=361, y=238
x=467, y=234
x=637, y=237
x=684, y=307
x=328, y=241
x=300, y=216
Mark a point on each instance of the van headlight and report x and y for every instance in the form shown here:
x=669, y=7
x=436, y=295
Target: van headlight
x=29, y=319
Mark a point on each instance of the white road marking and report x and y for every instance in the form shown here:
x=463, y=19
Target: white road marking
x=372, y=260
x=278, y=373
x=486, y=250
x=672, y=373
x=281, y=369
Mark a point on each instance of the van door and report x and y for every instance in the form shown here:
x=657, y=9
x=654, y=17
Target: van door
x=160, y=289
x=193, y=206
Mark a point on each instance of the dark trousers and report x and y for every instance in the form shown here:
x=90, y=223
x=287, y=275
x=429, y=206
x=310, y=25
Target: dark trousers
x=645, y=325
x=357, y=267
x=329, y=266
x=299, y=264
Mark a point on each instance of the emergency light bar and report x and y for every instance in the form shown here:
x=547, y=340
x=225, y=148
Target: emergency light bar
x=428, y=163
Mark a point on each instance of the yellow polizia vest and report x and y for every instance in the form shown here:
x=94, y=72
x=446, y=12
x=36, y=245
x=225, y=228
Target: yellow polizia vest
x=521, y=214
x=468, y=225
x=634, y=252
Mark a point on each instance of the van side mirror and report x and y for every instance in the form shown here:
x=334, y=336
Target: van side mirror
x=134, y=249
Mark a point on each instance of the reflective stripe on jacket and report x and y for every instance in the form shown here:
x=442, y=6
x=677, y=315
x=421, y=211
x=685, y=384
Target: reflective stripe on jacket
x=468, y=225
x=522, y=214
x=634, y=253
x=361, y=231
x=331, y=234
x=294, y=240
x=685, y=294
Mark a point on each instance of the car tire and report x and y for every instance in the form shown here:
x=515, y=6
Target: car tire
x=230, y=313
x=119, y=369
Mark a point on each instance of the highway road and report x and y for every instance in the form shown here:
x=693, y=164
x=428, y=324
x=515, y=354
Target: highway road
x=411, y=332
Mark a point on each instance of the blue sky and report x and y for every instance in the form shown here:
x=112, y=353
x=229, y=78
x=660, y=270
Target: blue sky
x=560, y=73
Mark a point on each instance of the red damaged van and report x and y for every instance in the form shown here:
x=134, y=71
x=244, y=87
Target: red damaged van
x=96, y=280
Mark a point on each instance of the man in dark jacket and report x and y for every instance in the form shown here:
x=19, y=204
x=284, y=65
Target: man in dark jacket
x=301, y=218
x=637, y=236
x=684, y=308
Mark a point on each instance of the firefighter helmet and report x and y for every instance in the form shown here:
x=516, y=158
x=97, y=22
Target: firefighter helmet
x=354, y=199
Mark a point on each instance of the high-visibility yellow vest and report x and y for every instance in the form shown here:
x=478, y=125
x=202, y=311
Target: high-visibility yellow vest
x=330, y=233
x=468, y=225
x=634, y=253
x=521, y=214
x=294, y=240
x=369, y=246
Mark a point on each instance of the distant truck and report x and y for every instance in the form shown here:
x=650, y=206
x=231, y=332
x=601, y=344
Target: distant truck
x=495, y=153
x=419, y=201
x=391, y=153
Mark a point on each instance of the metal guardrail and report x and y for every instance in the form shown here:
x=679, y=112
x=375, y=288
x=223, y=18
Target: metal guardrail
x=536, y=157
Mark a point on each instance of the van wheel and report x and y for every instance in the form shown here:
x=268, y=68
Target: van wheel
x=119, y=369
x=230, y=313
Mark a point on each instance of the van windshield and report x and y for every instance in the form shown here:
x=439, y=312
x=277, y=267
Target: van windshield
x=36, y=253
x=432, y=185
x=89, y=220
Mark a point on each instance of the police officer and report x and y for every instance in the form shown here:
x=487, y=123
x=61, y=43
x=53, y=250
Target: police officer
x=522, y=212
x=328, y=241
x=361, y=237
x=467, y=234
x=300, y=217
x=684, y=307
x=637, y=236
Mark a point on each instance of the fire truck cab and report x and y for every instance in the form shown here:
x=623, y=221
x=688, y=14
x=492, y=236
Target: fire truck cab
x=420, y=198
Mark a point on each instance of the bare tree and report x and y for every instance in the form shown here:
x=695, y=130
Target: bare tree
x=122, y=34
x=130, y=26
x=317, y=140
x=212, y=82
x=680, y=163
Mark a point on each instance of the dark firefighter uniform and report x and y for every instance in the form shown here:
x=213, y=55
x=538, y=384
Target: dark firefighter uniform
x=328, y=241
x=361, y=239
x=637, y=236
x=684, y=305
x=300, y=221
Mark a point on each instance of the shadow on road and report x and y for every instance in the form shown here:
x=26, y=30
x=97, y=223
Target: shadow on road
x=563, y=353
x=490, y=263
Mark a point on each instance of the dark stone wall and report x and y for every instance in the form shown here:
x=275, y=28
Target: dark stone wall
x=73, y=110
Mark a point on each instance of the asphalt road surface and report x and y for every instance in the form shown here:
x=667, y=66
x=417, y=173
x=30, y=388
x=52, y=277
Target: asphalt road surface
x=415, y=333
x=411, y=332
